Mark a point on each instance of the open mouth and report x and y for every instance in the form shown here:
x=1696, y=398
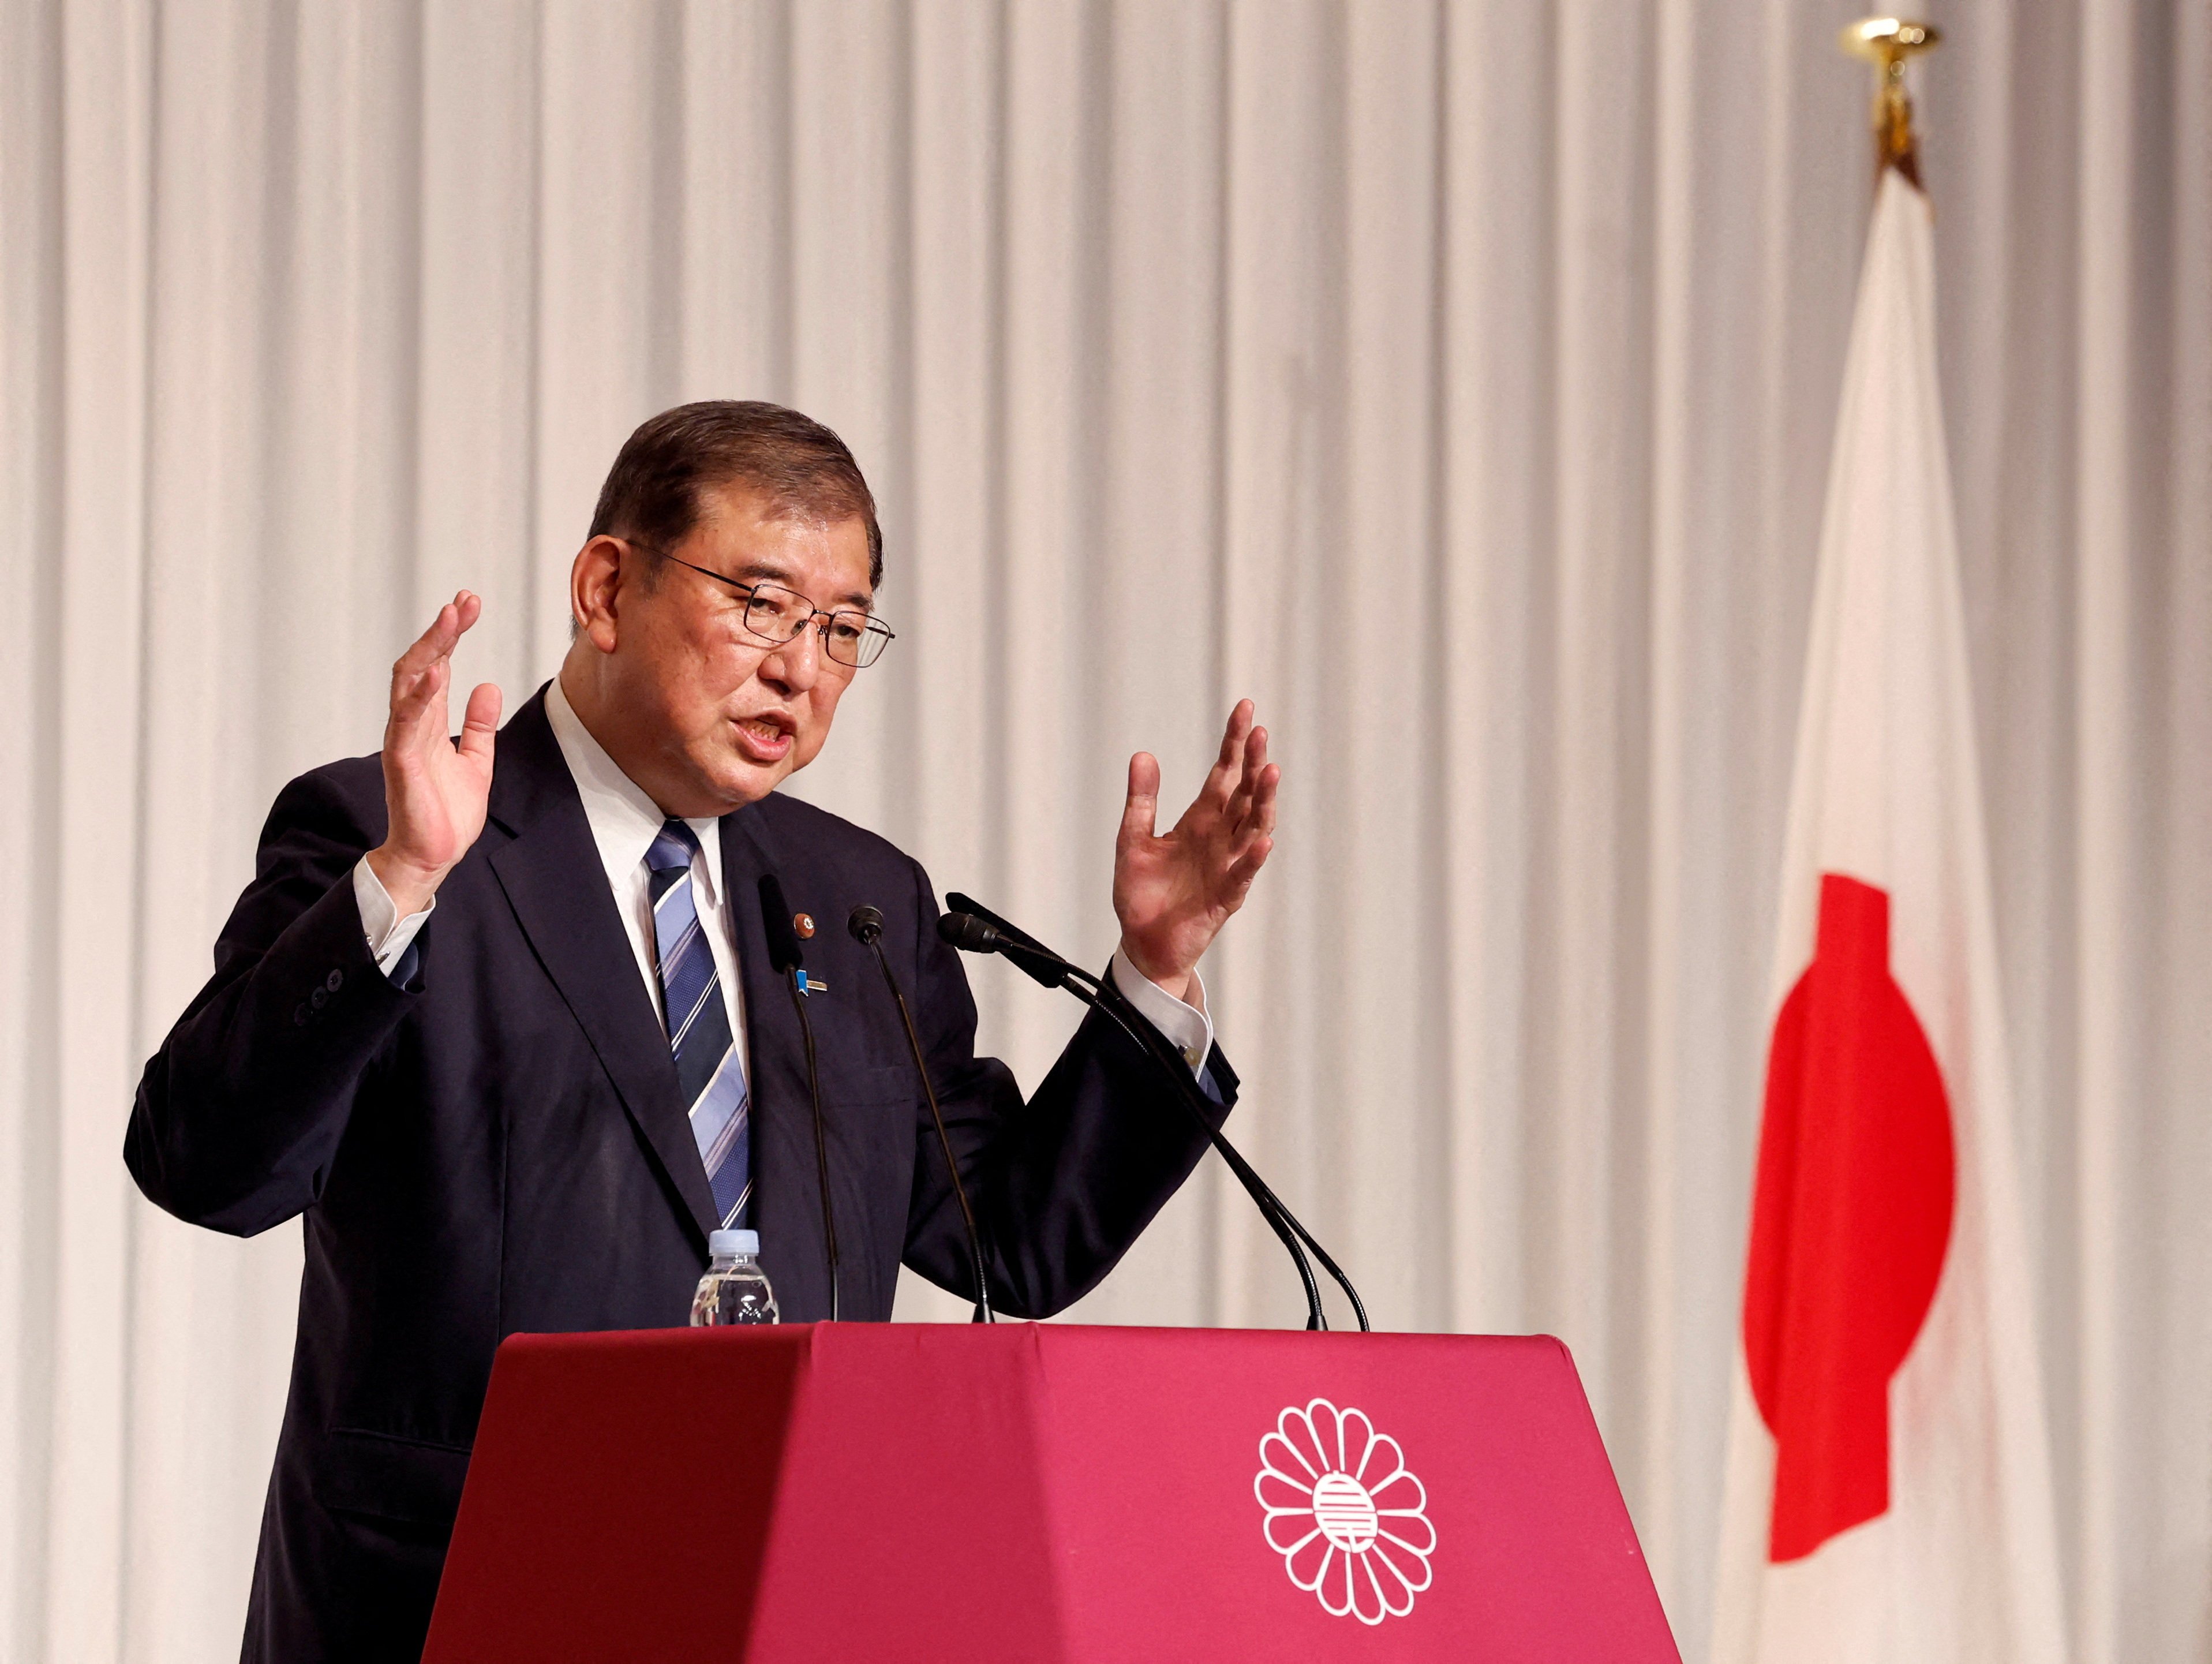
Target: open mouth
x=766, y=738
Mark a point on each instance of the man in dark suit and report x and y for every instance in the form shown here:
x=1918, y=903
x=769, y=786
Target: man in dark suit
x=496, y=1016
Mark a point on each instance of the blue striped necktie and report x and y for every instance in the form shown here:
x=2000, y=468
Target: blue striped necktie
x=708, y=1070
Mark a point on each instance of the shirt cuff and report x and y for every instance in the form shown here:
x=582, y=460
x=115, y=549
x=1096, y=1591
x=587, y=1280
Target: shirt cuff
x=1186, y=1026
x=389, y=935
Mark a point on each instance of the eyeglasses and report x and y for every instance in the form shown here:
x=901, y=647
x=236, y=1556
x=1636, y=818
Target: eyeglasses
x=779, y=616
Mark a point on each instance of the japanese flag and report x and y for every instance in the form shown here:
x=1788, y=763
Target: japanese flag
x=1888, y=1490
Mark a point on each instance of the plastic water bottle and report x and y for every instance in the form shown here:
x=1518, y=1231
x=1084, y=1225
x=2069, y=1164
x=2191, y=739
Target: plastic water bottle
x=735, y=1288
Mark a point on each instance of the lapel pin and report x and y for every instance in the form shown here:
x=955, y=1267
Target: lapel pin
x=809, y=983
x=803, y=924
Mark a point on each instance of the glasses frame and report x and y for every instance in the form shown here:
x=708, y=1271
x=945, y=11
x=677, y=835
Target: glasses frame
x=820, y=619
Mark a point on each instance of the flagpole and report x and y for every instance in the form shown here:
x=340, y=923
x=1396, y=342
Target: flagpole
x=1887, y=43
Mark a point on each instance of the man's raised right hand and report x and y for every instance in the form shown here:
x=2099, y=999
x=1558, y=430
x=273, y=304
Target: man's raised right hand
x=434, y=791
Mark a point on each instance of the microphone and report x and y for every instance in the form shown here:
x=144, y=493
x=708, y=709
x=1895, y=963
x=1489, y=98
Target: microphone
x=1165, y=1054
x=972, y=934
x=866, y=925
x=975, y=929
x=1005, y=927
x=783, y=954
x=966, y=931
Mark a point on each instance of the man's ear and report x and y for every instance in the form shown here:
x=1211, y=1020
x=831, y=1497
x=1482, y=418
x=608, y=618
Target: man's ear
x=594, y=586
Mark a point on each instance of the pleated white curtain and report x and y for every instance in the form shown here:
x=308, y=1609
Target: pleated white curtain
x=1455, y=378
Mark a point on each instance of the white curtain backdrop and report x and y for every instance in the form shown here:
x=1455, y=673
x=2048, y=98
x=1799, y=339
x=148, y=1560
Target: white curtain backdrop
x=1455, y=378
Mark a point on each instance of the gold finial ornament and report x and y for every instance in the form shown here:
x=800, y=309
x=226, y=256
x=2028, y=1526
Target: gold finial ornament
x=1886, y=43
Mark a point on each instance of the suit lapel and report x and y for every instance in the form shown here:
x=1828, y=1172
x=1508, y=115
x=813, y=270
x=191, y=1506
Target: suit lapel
x=787, y=1205
x=552, y=873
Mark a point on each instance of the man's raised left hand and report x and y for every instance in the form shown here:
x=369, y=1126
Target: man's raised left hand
x=1174, y=891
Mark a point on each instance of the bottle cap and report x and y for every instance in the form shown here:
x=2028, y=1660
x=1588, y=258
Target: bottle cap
x=733, y=1241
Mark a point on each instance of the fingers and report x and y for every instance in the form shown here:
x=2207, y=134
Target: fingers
x=1253, y=761
x=1234, y=808
x=437, y=643
x=1141, y=814
x=421, y=673
x=480, y=723
x=417, y=723
x=1245, y=868
x=1267, y=781
x=1254, y=814
x=1221, y=780
x=414, y=690
x=1254, y=829
x=1233, y=736
x=1252, y=804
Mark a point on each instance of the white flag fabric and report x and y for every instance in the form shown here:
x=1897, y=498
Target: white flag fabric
x=1888, y=1488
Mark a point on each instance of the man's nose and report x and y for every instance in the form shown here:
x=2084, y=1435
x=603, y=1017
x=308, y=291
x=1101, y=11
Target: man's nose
x=797, y=665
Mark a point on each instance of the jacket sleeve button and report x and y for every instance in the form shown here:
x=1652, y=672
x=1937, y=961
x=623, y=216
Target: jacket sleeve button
x=334, y=980
x=319, y=999
x=300, y=1018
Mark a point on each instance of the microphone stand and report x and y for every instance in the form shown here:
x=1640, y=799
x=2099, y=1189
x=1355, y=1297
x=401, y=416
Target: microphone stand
x=1315, y=1317
x=866, y=925
x=1165, y=1054
x=821, y=1143
x=783, y=954
x=1135, y=1023
x=1043, y=965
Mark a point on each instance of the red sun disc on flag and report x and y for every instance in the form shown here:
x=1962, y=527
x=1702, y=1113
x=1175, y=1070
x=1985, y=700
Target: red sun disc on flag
x=1850, y=1222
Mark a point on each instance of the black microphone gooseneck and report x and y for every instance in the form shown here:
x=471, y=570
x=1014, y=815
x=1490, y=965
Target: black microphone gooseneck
x=975, y=930
x=971, y=935
x=866, y=925
x=1033, y=957
x=783, y=954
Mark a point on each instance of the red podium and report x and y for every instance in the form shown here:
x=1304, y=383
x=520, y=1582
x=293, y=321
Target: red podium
x=1040, y=1492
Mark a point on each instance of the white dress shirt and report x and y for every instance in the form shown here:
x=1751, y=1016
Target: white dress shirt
x=624, y=822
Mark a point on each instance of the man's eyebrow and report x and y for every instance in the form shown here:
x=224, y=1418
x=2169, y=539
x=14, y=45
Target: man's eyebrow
x=774, y=573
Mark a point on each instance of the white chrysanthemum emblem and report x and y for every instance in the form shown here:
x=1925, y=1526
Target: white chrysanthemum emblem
x=1348, y=1517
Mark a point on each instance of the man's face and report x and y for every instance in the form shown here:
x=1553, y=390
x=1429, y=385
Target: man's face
x=710, y=716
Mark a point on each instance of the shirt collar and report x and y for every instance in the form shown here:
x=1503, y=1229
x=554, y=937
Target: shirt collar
x=623, y=820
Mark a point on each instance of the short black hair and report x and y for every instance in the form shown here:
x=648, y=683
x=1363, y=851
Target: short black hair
x=652, y=494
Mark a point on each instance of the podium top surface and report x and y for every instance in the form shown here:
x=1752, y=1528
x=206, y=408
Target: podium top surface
x=1041, y=1492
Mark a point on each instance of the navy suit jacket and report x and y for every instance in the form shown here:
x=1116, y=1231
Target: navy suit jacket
x=495, y=1143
